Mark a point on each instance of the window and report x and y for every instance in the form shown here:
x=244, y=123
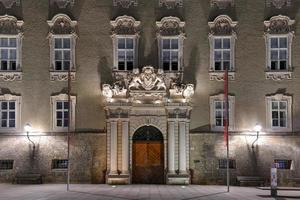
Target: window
x=60, y=112
x=223, y=164
x=62, y=51
x=222, y=51
x=8, y=114
x=6, y=164
x=170, y=54
x=279, y=112
x=278, y=53
x=8, y=54
x=283, y=164
x=60, y=164
x=218, y=112
x=125, y=54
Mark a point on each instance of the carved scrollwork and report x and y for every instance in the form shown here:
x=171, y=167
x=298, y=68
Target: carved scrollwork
x=169, y=26
x=171, y=4
x=279, y=25
x=62, y=3
x=219, y=76
x=222, y=25
x=125, y=3
x=278, y=3
x=11, y=76
x=62, y=24
x=125, y=25
x=222, y=4
x=10, y=25
x=9, y=3
x=62, y=76
x=279, y=76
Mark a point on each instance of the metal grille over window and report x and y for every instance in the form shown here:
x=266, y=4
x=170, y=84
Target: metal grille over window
x=8, y=54
x=222, y=51
x=223, y=164
x=60, y=164
x=279, y=113
x=283, y=164
x=6, y=164
x=62, y=50
x=170, y=52
x=8, y=114
x=62, y=114
x=125, y=53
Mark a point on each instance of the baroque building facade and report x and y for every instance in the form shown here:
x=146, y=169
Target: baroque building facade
x=140, y=86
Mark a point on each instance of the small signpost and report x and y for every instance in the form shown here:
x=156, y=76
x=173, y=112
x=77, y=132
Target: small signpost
x=274, y=181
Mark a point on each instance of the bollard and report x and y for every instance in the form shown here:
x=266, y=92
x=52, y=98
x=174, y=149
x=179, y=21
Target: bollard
x=273, y=181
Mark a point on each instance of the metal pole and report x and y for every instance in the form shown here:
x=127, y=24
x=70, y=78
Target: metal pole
x=69, y=124
x=226, y=127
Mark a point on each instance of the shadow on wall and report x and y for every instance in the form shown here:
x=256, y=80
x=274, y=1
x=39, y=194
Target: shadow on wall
x=104, y=72
x=189, y=71
x=290, y=11
x=15, y=10
x=73, y=11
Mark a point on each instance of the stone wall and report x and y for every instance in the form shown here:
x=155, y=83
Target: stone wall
x=87, y=157
x=207, y=148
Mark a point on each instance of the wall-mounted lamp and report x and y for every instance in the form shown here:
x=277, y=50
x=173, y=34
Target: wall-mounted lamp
x=28, y=128
x=257, y=129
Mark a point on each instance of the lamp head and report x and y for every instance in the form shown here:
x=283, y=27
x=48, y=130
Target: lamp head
x=27, y=127
x=257, y=128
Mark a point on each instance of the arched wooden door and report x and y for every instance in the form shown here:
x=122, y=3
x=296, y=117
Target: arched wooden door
x=148, y=156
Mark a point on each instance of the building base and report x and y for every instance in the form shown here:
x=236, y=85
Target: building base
x=122, y=179
x=178, y=179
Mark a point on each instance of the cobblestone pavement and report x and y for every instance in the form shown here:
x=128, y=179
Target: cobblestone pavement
x=143, y=192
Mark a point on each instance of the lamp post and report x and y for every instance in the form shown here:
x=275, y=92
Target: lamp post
x=257, y=129
x=28, y=128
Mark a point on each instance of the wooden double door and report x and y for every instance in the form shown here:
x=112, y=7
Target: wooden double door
x=148, y=162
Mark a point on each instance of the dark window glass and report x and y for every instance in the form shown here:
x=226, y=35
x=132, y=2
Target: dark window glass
x=223, y=164
x=283, y=164
x=60, y=164
x=6, y=164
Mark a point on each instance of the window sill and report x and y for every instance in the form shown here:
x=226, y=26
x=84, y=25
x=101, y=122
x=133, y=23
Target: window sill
x=219, y=75
x=278, y=75
x=279, y=130
x=11, y=75
x=61, y=75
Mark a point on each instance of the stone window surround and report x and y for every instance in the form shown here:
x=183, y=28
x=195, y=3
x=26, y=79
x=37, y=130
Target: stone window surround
x=62, y=97
x=18, y=100
x=231, y=102
x=278, y=97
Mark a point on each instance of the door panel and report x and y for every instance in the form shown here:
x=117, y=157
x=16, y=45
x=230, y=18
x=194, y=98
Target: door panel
x=148, y=160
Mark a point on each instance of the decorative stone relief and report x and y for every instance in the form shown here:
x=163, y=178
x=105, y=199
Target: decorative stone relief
x=222, y=4
x=278, y=3
x=170, y=26
x=170, y=4
x=61, y=76
x=10, y=25
x=219, y=76
x=10, y=76
x=125, y=25
x=278, y=76
x=222, y=25
x=62, y=3
x=125, y=3
x=279, y=25
x=62, y=24
x=10, y=3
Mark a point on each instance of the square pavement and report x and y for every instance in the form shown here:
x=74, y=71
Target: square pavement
x=135, y=192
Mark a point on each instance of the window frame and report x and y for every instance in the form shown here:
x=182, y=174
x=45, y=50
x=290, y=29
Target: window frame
x=53, y=101
x=231, y=103
x=269, y=118
x=17, y=100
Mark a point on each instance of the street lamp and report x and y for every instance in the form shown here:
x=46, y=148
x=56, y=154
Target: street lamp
x=257, y=129
x=28, y=128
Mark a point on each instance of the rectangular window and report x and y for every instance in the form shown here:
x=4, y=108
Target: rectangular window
x=279, y=113
x=223, y=164
x=283, y=164
x=278, y=53
x=125, y=54
x=170, y=54
x=62, y=114
x=62, y=54
x=8, y=114
x=6, y=164
x=220, y=113
x=60, y=164
x=222, y=54
x=8, y=54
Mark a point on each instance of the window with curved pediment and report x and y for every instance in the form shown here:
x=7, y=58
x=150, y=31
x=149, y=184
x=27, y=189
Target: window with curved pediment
x=11, y=35
x=278, y=37
x=170, y=37
x=125, y=35
x=62, y=40
x=10, y=112
x=222, y=38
